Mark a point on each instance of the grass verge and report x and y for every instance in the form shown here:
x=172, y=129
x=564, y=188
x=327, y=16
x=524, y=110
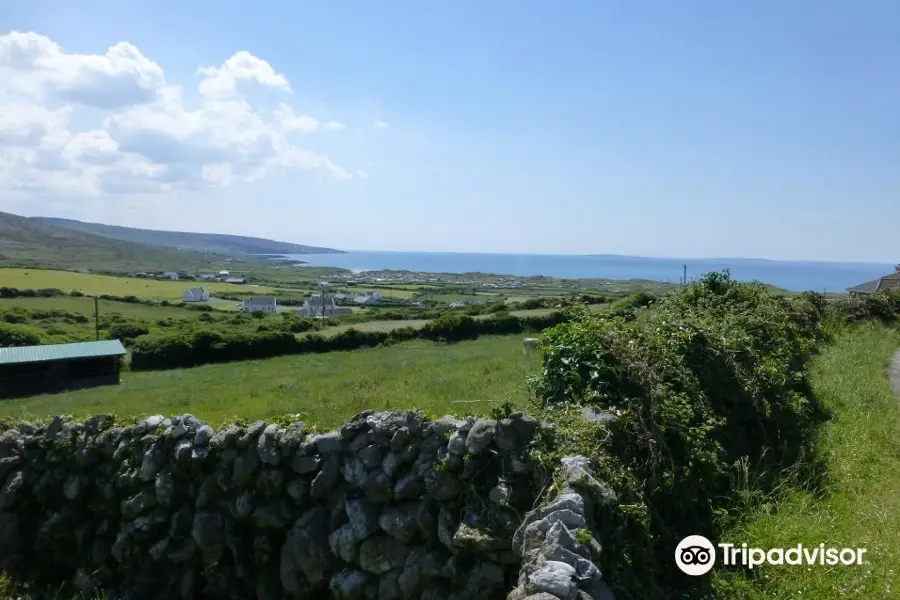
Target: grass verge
x=860, y=507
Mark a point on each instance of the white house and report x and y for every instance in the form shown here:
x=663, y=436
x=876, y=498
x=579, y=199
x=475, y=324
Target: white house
x=313, y=308
x=260, y=304
x=224, y=273
x=196, y=295
x=171, y=275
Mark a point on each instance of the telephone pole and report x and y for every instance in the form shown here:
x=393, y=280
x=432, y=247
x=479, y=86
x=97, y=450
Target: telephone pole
x=97, y=317
x=685, y=275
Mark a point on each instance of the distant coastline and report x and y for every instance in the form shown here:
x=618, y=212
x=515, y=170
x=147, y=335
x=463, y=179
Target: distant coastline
x=789, y=275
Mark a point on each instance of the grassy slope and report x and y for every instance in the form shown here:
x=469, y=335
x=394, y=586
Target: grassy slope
x=327, y=389
x=24, y=242
x=862, y=507
x=201, y=242
x=92, y=284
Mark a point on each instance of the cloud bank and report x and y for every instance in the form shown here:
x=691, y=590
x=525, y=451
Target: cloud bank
x=102, y=124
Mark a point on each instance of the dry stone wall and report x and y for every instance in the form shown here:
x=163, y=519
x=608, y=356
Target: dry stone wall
x=390, y=506
x=558, y=542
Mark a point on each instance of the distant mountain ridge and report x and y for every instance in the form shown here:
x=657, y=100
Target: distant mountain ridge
x=180, y=240
x=28, y=242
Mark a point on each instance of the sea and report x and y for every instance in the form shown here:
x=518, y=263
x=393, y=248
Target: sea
x=790, y=275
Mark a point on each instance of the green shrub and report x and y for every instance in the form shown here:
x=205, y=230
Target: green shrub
x=127, y=331
x=451, y=328
x=200, y=307
x=883, y=306
x=713, y=378
x=17, y=335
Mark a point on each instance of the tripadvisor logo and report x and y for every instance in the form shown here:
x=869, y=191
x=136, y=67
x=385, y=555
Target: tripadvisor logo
x=695, y=555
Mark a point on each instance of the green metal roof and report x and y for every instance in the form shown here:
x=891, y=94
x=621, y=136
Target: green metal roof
x=30, y=354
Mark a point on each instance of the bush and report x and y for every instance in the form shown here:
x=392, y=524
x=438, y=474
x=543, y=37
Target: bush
x=883, y=307
x=17, y=335
x=451, y=328
x=127, y=332
x=713, y=379
x=200, y=307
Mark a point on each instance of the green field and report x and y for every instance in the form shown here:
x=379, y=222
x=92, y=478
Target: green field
x=96, y=285
x=85, y=306
x=327, y=389
x=860, y=507
x=387, y=292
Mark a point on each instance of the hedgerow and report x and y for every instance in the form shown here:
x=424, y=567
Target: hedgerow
x=713, y=378
x=187, y=347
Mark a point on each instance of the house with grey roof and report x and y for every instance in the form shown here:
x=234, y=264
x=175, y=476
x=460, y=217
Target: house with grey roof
x=319, y=306
x=888, y=282
x=267, y=304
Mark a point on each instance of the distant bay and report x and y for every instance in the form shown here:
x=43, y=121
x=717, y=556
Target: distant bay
x=790, y=275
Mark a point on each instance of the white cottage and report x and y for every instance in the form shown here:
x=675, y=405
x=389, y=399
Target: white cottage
x=196, y=295
x=266, y=304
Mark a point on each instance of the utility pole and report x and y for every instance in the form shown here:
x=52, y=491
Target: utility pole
x=97, y=317
x=685, y=275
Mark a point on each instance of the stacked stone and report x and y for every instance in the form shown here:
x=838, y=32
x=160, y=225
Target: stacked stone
x=558, y=542
x=390, y=506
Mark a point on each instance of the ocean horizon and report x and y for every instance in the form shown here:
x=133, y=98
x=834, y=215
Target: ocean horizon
x=795, y=276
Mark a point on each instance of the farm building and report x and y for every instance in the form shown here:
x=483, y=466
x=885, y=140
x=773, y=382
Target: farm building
x=171, y=275
x=888, y=282
x=31, y=370
x=236, y=280
x=260, y=304
x=313, y=307
x=197, y=294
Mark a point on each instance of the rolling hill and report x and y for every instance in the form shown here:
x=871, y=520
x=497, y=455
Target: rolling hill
x=200, y=242
x=37, y=243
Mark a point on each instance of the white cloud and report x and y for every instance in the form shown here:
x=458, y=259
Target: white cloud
x=34, y=66
x=240, y=68
x=379, y=124
x=147, y=138
x=284, y=116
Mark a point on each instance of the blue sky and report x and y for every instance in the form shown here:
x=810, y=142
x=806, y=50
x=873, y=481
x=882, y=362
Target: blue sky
x=673, y=129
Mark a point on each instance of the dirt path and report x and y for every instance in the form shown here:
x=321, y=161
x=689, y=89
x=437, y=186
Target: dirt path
x=895, y=372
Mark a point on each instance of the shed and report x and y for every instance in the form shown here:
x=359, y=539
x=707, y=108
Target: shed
x=30, y=370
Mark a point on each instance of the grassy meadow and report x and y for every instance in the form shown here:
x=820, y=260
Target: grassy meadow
x=326, y=389
x=860, y=507
x=96, y=285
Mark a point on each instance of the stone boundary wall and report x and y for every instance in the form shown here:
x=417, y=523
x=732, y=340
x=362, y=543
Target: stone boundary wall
x=558, y=542
x=390, y=506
